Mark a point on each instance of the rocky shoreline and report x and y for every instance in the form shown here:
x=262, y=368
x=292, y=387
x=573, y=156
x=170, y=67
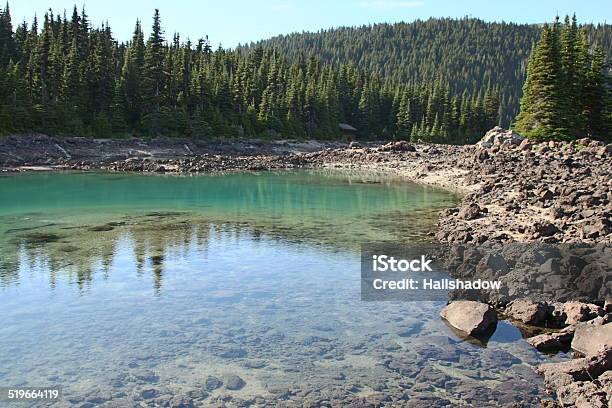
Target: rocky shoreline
x=512, y=191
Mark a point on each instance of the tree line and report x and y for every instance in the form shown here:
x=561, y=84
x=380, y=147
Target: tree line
x=467, y=53
x=568, y=91
x=62, y=76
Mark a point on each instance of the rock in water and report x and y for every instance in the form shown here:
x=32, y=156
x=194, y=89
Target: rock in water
x=180, y=401
x=212, y=383
x=590, y=339
x=233, y=382
x=527, y=311
x=550, y=341
x=473, y=318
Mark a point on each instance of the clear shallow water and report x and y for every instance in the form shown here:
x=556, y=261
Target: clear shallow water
x=122, y=287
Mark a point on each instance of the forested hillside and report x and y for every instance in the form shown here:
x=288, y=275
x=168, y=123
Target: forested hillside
x=467, y=54
x=62, y=76
x=568, y=90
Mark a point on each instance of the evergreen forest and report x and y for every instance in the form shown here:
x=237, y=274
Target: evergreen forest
x=440, y=80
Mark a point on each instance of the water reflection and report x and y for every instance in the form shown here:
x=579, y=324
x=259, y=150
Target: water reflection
x=47, y=224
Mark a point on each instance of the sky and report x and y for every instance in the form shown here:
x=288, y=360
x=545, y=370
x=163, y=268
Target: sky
x=229, y=22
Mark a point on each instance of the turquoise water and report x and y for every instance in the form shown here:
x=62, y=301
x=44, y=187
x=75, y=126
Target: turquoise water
x=130, y=289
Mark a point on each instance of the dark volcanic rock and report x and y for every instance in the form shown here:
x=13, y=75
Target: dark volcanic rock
x=470, y=211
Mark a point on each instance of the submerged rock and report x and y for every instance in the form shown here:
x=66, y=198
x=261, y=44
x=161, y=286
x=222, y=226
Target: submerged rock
x=149, y=393
x=233, y=382
x=41, y=238
x=180, y=401
x=101, y=228
x=472, y=318
x=212, y=383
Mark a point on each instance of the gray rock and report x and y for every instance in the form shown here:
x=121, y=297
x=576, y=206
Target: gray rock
x=149, y=393
x=212, y=383
x=180, y=401
x=499, y=136
x=233, y=382
x=582, y=394
x=472, y=318
x=591, y=339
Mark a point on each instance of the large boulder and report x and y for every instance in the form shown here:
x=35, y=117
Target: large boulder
x=528, y=311
x=500, y=136
x=472, y=318
x=577, y=312
x=590, y=339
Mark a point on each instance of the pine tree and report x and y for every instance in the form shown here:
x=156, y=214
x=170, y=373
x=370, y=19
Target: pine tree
x=567, y=87
x=153, y=75
x=596, y=94
x=7, y=37
x=130, y=81
x=541, y=115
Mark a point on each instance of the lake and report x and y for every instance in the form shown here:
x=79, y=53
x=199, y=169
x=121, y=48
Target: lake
x=240, y=289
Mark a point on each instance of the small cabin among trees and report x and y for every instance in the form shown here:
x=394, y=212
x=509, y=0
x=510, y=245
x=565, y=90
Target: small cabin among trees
x=347, y=130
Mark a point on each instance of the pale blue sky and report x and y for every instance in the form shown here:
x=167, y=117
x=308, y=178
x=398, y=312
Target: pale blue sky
x=238, y=21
